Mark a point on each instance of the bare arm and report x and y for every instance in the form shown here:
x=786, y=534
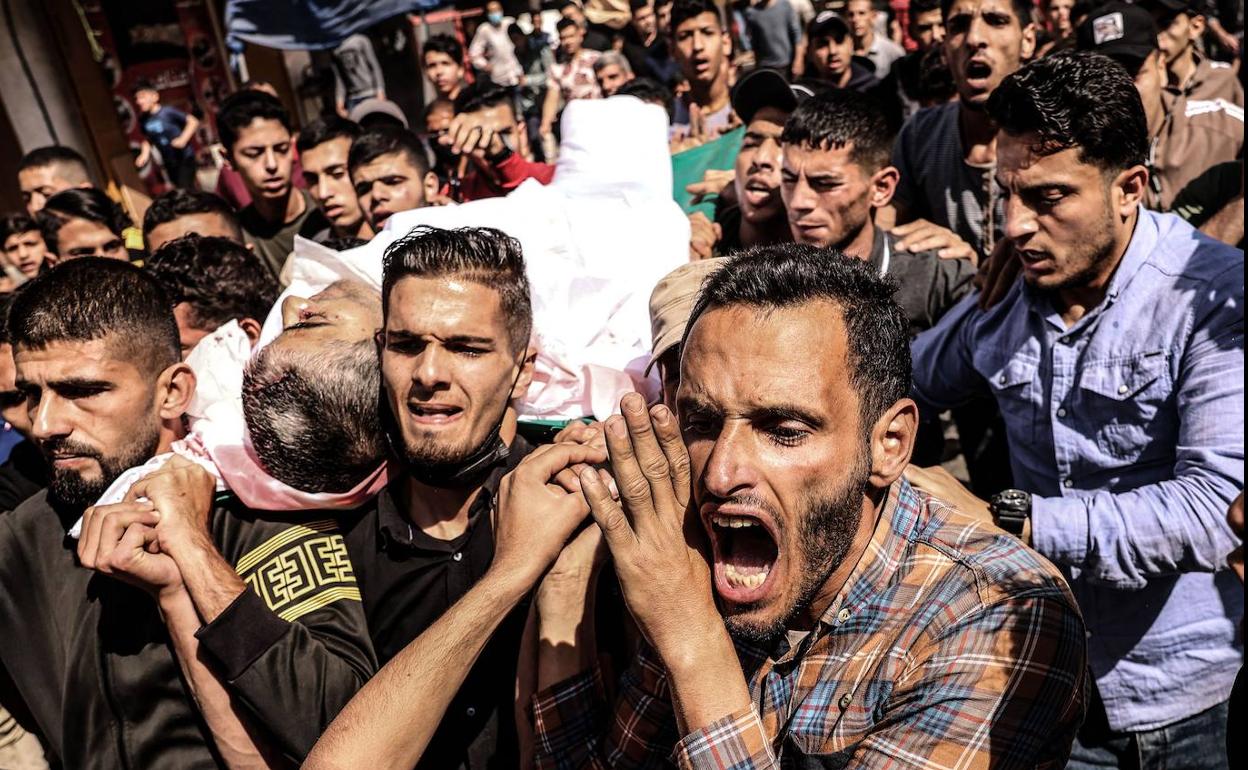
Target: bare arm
x=145, y=154
x=550, y=108
x=188, y=132
x=1228, y=224
x=392, y=718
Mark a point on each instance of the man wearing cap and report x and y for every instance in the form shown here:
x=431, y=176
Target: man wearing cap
x=1188, y=136
x=830, y=55
x=750, y=212
x=835, y=174
x=1181, y=24
x=378, y=111
x=671, y=303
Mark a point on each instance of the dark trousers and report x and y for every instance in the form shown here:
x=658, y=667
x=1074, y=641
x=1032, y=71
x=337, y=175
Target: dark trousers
x=181, y=173
x=1195, y=743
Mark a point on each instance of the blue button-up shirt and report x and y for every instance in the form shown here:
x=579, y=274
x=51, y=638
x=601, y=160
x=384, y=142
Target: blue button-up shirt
x=1128, y=428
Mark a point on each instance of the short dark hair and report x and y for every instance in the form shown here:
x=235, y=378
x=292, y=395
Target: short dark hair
x=566, y=23
x=482, y=255
x=648, y=90
x=636, y=5
x=791, y=274
x=1075, y=99
x=683, y=10
x=313, y=415
x=325, y=129
x=840, y=117
x=176, y=203
x=92, y=298
x=16, y=224
x=344, y=243
x=142, y=84
x=86, y=203
x=241, y=108
x=922, y=6
x=481, y=95
x=52, y=155
x=443, y=44
x=1021, y=9
x=219, y=279
x=384, y=140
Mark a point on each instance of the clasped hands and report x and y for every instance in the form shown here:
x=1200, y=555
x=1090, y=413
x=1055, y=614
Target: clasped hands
x=138, y=539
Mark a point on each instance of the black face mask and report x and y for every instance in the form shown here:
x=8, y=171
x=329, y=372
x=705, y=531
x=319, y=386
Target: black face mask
x=467, y=472
x=464, y=473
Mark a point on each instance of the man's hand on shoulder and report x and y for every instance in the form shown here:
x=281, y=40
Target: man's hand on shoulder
x=922, y=235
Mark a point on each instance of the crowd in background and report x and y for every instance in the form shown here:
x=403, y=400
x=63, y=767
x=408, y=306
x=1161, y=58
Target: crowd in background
x=933, y=455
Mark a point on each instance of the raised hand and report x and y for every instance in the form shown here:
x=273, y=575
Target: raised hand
x=657, y=549
x=536, y=514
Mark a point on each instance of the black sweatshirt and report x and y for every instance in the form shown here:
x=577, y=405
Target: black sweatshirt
x=90, y=662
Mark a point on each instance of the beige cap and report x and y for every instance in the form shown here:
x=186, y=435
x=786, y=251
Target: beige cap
x=671, y=302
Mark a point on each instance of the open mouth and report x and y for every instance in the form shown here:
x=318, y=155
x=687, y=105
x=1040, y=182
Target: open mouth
x=433, y=414
x=978, y=71
x=745, y=555
x=758, y=193
x=1035, y=262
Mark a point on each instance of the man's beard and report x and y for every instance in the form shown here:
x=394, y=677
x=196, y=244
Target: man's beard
x=425, y=449
x=1089, y=257
x=826, y=532
x=68, y=489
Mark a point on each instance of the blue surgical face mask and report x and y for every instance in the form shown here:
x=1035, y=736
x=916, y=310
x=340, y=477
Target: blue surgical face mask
x=494, y=18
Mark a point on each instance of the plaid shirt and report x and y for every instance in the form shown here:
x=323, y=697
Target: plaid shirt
x=951, y=646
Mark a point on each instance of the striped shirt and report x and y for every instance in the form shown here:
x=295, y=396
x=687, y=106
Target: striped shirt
x=951, y=645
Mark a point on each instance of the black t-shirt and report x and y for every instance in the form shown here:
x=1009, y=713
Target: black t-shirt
x=408, y=580
x=652, y=61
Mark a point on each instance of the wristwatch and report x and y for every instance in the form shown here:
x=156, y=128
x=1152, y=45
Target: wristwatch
x=1010, y=510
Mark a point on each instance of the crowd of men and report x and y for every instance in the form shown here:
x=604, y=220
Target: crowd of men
x=1006, y=239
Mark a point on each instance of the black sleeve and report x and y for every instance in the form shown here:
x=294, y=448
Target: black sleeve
x=295, y=647
x=954, y=279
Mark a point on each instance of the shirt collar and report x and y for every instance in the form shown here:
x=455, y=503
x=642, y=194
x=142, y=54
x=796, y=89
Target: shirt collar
x=899, y=522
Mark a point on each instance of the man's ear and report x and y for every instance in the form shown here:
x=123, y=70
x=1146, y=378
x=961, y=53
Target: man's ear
x=1198, y=24
x=432, y=187
x=1129, y=189
x=1028, y=48
x=175, y=387
x=892, y=442
x=882, y=186
x=251, y=327
x=526, y=373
